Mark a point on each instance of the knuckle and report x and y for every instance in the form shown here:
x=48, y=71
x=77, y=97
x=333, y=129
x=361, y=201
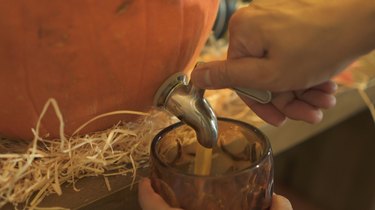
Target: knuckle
x=224, y=77
x=275, y=78
x=237, y=20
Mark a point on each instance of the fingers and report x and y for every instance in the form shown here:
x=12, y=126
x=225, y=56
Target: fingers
x=243, y=72
x=306, y=106
x=280, y=203
x=317, y=98
x=148, y=199
x=267, y=112
x=328, y=87
x=320, y=96
x=296, y=109
x=300, y=110
x=283, y=106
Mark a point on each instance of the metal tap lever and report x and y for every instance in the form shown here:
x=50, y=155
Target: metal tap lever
x=186, y=102
x=261, y=96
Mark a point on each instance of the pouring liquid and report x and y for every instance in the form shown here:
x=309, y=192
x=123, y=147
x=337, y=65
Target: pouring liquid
x=202, y=161
x=202, y=167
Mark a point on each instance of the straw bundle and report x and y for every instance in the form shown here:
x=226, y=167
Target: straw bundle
x=360, y=76
x=30, y=172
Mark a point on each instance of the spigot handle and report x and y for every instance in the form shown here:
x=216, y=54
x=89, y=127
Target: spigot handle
x=167, y=88
x=194, y=90
x=261, y=96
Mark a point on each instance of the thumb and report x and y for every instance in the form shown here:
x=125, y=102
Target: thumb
x=243, y=72
x=280, y=203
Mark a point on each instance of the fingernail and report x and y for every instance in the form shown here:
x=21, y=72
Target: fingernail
x=281, y=123
x=332, y=101
x=335, y=86
x=318, y=117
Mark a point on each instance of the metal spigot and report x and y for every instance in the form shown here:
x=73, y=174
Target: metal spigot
x=187, y=103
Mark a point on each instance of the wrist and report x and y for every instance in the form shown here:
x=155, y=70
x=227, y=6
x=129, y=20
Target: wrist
x=357, y=19
x=370, y=23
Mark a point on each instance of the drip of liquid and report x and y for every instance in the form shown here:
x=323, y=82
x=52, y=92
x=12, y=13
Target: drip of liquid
x=202, y=161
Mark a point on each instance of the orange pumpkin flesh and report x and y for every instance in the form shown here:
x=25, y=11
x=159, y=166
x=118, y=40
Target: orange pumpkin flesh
x=92, y=57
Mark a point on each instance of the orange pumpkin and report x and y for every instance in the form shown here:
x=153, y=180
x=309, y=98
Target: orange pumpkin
x=92, y=57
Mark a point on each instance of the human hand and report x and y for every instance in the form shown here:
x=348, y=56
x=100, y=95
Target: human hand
x=291, y=48
x=280, y=203
x=149, y=200
x=305, y=104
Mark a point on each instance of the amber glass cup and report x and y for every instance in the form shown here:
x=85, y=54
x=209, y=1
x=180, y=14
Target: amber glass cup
x=241, y=175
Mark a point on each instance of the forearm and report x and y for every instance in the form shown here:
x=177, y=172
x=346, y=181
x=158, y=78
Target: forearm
x=358, y=24
x=371, y=21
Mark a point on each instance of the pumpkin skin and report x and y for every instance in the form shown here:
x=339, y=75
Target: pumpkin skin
x=93, y=57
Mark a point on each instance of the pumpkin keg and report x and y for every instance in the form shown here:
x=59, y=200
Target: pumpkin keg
x=92, y=57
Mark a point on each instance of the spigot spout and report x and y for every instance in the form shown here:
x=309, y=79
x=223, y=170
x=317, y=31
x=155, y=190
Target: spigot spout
x=187, y=103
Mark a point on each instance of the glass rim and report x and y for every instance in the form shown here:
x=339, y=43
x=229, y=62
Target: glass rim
x=253, y=166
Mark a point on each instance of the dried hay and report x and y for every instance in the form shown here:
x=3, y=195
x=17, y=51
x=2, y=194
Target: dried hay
x=359, y=76
x=28, y=174
x=361, y=88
